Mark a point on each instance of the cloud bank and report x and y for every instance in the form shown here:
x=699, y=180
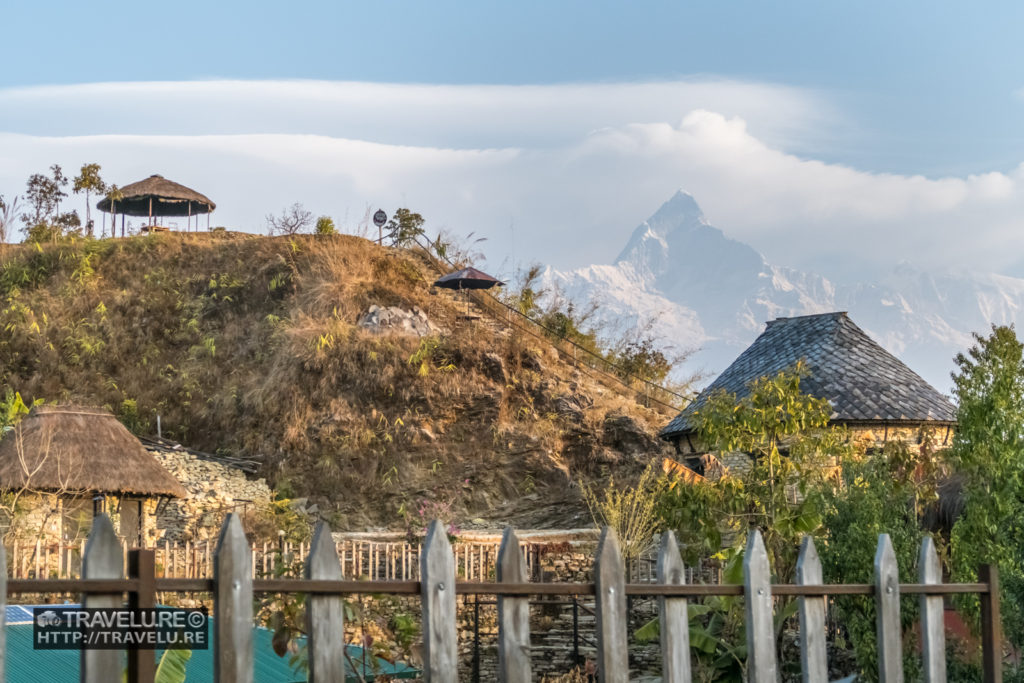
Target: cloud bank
x=559, y=174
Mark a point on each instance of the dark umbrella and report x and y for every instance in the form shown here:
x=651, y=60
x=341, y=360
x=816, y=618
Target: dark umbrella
x=468, y=278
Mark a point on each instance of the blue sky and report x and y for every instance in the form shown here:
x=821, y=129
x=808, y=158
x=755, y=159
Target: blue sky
x=933, y=85
x=906, y=116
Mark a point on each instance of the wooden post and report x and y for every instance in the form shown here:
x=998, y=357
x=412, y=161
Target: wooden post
x=142, y=566
x=610, y=608
x=513, y=614
x=991, y=627
x=232, y=605
x=325, y=614
x=3, y=612
x=933, y=627
x=437, y=572
x=102, y=560
x=813, y=653
x=757, y=591
x=672, y=614
x=887, y=599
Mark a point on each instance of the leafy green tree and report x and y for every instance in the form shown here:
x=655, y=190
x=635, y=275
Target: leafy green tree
x=88, y=180
x=113, y=195
x=640, y=358
x=881, y=492
x=988, y=451
x=43, y=195
x=793, y=457
x=325, y=226
x=405, y=227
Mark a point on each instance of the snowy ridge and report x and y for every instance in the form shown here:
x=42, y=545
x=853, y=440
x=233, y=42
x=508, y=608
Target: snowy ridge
x=697, y=288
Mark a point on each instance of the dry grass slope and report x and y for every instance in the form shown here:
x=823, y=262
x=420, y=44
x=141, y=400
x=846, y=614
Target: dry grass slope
x=249, y=345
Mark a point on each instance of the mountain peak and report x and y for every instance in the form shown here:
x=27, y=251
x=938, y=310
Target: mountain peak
x=679, y=210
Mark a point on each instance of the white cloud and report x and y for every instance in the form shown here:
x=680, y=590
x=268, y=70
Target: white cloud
x=553, y=173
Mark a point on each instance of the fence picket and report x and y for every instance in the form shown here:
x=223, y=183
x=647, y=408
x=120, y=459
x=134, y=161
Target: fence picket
x=887, y=599
x=813, y=653
x=437, y=569
x=610, y=608
x=761, y=663
x=3, y=612
x=513, y=614
x=672, y=614
x=933, y=629
x=102, y=560
x=232, y=605
x=325, y=615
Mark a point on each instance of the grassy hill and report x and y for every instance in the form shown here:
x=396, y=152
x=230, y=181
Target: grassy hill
x=250, y=346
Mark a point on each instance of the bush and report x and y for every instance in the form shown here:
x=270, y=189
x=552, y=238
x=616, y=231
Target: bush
x=325, y=226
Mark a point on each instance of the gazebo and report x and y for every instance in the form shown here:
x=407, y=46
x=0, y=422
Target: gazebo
x=156, y=197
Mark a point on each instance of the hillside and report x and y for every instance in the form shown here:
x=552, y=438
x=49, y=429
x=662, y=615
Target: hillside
x=250, y=346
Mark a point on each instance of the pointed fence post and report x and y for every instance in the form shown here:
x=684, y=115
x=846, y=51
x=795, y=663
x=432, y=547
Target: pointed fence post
x=232, y=605
x=102, y=559
x=887, y=599
x=813, y=654
x=513, y=614
x=672, y=614
x=991, y=626
x=3, y=611
x=757, y=591
x=437, y=582
x=325, y=614
x=933, y=627
x=610, y=608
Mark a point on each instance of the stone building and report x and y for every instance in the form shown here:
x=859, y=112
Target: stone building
x=63, y=464
x=872, y=393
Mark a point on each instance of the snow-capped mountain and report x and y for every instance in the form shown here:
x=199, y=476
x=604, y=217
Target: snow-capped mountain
x=697, y=288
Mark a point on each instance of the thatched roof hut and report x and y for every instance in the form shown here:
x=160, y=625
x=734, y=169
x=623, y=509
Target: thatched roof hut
x=157, y=196
x=78, y=449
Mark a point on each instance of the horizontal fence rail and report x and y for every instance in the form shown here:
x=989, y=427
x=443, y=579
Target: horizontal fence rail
x=233, y=588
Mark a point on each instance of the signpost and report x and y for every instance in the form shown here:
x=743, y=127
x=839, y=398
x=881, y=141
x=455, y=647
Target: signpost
x=379, y=219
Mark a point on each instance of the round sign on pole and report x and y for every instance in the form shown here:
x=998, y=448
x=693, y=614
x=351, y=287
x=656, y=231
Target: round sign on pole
x=380, y=218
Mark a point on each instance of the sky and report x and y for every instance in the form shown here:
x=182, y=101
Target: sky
x=835, y=137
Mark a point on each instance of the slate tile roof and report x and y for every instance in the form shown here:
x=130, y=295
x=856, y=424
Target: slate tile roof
x=861, y=380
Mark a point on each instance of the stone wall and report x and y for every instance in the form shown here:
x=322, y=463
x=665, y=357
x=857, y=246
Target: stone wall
x=214, y=490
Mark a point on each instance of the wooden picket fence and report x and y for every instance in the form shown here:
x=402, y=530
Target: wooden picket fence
x=233, y=587
x=375, y=560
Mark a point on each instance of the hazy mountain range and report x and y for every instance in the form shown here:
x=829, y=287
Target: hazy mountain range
x=700, y=289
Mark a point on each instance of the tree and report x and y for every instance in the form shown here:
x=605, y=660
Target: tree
x=114, y=195
x=639, y=358
x=793, y=457
x=881, y=492
x=988, y=452
x=292, y=220
x=793, y=453
x=44, y=194
x=88, y=180
x=325, y=226
x=404, y=227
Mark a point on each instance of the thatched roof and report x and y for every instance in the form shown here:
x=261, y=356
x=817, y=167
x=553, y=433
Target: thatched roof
x=168, y=199
x=76, y=449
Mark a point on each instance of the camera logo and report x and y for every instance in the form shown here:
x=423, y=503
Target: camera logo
x=47, y=618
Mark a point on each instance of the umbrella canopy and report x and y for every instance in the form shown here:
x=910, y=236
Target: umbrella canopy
x=157, y=196
x=468, y=278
